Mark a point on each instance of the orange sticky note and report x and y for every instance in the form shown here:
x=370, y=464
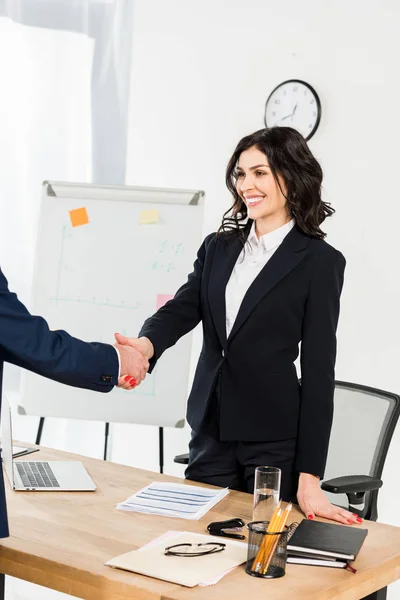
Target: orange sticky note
x=78, y=217
x=163, y=299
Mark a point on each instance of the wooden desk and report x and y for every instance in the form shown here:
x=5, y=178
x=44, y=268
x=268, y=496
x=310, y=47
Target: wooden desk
x=61, y=541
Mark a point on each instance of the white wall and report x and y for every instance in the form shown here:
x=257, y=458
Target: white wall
x=201, y=74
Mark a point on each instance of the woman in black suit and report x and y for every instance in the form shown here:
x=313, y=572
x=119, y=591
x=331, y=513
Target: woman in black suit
x=262, y=284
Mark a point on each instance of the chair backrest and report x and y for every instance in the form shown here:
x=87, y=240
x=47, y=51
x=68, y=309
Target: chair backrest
x=363, y=425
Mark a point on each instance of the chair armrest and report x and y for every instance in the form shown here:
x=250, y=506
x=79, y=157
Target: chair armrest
x=351, y=484
x=182, y=459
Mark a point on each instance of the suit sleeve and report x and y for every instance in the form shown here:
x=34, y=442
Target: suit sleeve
x=318, y=356
x=181, y=314
x=26, y=341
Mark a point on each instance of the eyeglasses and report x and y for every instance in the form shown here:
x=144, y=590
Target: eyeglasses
x=194, y=549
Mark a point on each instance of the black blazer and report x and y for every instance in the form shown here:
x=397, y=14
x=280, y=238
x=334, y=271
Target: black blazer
x=26, y=341
x=294, y=299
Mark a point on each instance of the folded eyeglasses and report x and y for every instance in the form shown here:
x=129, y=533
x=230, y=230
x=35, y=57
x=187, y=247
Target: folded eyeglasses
x=194, y=549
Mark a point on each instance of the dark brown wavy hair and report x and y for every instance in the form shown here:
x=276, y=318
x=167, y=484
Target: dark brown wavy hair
x=290, y=157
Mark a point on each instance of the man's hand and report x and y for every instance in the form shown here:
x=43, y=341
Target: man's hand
x=133, y=366
x=141, y=346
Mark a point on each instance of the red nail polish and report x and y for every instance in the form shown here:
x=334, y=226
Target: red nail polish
x=310, y=517
x=127, y=378
x=133, y=381
x=359, y=519
x=133, y=385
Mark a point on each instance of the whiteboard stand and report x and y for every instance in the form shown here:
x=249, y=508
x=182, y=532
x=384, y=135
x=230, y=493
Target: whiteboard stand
x=161, y=448
x=106, y=434
x=80, y=285
x=39, y=431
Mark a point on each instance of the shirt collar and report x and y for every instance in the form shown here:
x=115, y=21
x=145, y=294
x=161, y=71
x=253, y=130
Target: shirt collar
x=270, y=241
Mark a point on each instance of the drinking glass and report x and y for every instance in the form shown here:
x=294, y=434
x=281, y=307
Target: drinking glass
x=267, y=485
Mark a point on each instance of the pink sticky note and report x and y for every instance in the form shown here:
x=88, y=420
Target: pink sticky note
x=163, y=299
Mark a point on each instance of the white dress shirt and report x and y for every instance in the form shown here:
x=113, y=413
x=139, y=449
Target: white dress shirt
x=253, y=258
x=119, y=361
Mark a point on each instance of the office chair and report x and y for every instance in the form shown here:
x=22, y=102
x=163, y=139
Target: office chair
x=363, y=425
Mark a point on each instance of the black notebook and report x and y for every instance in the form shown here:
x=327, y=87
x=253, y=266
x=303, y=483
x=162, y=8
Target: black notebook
x=326, y=540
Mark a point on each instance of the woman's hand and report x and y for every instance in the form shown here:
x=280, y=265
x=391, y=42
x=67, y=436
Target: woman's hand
x=314, y=503
x=146, y=349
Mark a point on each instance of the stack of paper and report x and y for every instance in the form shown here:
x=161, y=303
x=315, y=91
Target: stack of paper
x=174, y=500
x=169, y=536
x=207, y=570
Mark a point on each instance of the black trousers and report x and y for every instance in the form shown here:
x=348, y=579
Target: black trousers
x=232, y=463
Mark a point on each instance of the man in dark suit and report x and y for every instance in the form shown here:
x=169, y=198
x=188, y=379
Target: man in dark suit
x=26, y=341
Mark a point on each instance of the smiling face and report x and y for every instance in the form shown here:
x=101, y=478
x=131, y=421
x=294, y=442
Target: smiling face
x=256, y=185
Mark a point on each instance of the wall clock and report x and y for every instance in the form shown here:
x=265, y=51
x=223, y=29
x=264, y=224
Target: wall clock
x=294, y=103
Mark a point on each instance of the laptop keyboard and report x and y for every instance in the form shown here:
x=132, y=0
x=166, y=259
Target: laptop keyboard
x=36, y=474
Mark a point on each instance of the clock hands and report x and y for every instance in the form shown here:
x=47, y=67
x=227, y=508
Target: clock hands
x=291, y=114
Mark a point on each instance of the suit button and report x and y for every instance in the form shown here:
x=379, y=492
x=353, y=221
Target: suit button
x=223, y=353
x=106, y=378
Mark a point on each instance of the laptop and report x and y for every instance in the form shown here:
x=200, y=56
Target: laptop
x=40, y=476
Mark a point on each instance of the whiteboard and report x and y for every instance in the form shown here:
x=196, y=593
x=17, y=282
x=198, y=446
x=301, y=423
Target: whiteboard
x=107, y=257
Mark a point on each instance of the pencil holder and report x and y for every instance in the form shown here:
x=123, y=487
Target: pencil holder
x=266, y=551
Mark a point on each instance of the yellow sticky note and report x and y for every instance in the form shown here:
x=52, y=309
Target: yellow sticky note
x=148, y=216
x=78, y=217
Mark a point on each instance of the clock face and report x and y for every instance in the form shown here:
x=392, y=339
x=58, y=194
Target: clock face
x=294, y=103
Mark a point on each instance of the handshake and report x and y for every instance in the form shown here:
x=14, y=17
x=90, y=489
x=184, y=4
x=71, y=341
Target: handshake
x=135, y=354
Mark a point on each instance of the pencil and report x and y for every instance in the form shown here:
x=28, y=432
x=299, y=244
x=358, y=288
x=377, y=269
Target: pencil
x=263, y=546
x=270, y=539
x=282, y=524
x=265, y=542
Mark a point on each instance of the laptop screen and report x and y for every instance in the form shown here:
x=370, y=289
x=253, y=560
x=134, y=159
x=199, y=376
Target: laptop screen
x=6, y=439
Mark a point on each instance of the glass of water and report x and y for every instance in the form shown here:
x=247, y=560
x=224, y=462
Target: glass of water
x=267, y=485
